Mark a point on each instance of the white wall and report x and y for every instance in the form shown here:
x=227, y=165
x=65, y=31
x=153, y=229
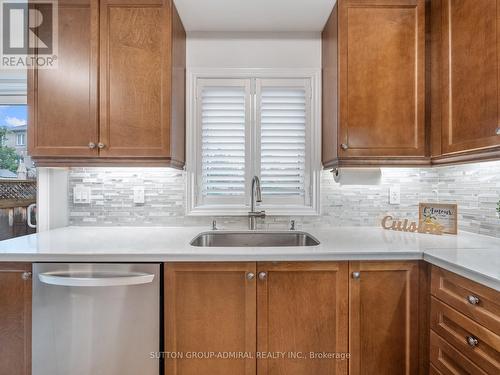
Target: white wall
x=52, y=207
x=253, y=50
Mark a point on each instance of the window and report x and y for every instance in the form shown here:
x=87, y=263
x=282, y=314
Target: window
x=253, y=126
x=20, y=139
x=18, y=186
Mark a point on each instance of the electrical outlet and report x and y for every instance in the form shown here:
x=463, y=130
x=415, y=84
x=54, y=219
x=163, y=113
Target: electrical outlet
x=81, y=194
x=139, y=194
x=395, y=194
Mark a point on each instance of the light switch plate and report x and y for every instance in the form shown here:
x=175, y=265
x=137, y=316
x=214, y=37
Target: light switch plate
x=395, y=194
x=81, y=194
x=139, y=194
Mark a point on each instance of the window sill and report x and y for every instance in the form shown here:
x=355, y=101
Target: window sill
x=282, y=210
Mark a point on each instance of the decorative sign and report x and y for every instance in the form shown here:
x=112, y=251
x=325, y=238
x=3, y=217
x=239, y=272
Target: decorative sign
x=442, y=214
x=406, y=225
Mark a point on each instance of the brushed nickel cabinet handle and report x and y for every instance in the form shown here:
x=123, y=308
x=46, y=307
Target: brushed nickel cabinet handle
x=473, y=300
x=262, y=276
x=250, y=276
x=356, y=275
x=101, y=145
x=472, y=341
x=498, y=131
x=344, y=146
x=92, y=145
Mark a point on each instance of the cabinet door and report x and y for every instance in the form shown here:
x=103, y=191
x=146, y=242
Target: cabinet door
x=384, y=320
x=62, y=102
x=135, y=78
x=302, y=309
x=15, y=319
x=382, y=78
x=470, y=74
x=210, y=307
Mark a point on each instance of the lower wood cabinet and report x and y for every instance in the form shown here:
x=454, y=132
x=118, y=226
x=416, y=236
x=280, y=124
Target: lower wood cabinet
x=302, y=311
x=15, y=318
x=465, y=325
x=476, y=342
x=210, y=308
x=293, y=318
x=450, y=361
x=384, y=318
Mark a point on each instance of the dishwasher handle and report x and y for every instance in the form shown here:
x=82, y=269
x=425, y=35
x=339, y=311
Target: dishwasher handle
x=93, y=279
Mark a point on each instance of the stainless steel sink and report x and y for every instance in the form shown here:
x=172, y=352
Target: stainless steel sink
x=254, y=239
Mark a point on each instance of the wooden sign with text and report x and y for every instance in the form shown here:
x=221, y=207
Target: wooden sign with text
x=406, y=225
x=439, y=214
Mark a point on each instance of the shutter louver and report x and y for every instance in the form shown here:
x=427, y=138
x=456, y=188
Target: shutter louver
x=283, y=140
x=13, y=87
x=223, y=141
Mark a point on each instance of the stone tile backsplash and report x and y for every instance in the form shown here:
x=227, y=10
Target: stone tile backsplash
x=475, y=187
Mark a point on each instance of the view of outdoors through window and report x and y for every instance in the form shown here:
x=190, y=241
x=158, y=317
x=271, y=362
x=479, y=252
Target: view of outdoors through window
x=17, y=171
x=14, y=159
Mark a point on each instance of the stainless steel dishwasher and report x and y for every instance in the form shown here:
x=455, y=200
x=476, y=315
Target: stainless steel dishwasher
x=95, y=319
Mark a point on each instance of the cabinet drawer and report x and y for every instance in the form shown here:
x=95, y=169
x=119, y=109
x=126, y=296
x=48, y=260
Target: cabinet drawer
x=478, y=302
x=473, y=340
x=433, y=370
x=445, y=359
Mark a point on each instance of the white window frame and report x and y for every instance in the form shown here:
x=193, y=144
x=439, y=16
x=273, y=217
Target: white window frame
x=193, y=161
x=22, y=137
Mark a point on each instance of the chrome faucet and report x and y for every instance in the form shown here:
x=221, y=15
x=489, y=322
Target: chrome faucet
x=256, y=196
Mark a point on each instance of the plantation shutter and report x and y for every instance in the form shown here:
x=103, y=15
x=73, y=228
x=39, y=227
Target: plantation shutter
x=224, y=115
x=283, y=113
x=13, y=87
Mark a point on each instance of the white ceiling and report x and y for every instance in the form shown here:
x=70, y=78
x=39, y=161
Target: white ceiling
x=254, y=15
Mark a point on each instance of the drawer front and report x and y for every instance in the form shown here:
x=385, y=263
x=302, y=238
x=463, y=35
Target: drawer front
x=473, y=340
x=433, y=370
x=478, y=302
x=447, y=360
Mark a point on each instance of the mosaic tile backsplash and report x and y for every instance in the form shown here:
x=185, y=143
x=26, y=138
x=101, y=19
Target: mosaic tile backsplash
x=475, y=187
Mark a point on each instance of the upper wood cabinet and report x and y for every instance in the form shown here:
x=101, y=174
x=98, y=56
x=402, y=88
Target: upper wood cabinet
x=117, y=95
x=302, y=308
x=374, y=83
x=465, y=79
x=15, y=318
x=384, y=318
x=62, y=102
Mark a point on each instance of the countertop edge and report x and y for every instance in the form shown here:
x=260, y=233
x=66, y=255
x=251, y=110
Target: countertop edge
x=468, y=273
x=177, y=257
x=199, y=258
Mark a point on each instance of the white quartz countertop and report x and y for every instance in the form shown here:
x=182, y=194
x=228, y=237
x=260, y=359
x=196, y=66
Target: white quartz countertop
x=474, y=256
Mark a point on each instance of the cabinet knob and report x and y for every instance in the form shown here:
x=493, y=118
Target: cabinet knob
x=472, y=341
x=26, y=275
x=92, y=145
x=262, y=275
x=473, y=300
x=250, y=276
x=356, y=275
x=498, y=131
x=100, y=145
x=344, y=146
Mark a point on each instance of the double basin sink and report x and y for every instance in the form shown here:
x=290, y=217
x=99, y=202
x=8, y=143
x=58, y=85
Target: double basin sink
x=254, y=239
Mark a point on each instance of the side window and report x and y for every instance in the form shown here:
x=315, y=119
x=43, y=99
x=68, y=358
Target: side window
x=18, y=185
